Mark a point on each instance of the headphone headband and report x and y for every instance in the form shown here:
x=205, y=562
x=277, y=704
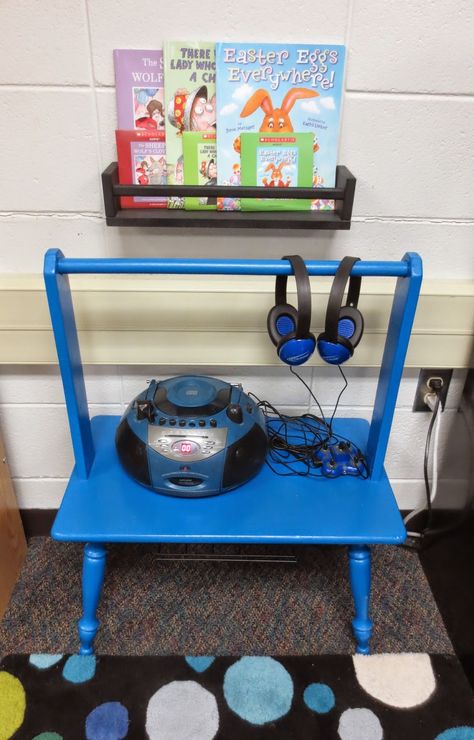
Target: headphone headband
x=343, y=274
x=303, y=293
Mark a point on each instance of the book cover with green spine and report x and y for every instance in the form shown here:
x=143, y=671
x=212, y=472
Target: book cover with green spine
x=276, y=161
x=200, y=167
x=190, y=100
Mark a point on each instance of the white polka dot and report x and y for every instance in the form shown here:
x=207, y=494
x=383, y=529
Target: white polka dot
x=182, y=710
x=401, y=680
x=359, y=724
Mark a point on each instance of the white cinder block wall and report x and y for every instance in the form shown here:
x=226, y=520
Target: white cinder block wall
x=406, y=133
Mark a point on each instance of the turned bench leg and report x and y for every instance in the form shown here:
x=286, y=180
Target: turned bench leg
x=359, y=572
x=93, y=572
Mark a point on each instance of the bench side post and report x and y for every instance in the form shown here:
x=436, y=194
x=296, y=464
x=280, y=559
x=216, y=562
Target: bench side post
x=396, y=344
x=67, y=345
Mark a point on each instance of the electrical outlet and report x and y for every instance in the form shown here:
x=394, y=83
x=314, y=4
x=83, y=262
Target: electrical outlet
x=423, y=388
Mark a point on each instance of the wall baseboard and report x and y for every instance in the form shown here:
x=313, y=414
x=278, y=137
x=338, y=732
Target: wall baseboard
x=37, y=522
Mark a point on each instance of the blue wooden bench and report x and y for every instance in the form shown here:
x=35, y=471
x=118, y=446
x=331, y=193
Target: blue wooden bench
x=103, y=504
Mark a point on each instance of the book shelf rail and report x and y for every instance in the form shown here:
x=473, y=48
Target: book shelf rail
x=340, y=218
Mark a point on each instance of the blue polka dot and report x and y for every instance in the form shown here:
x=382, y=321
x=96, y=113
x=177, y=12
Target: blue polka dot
x=259, y=690
x=457, y=733
x=79, y=668
x=108, y=721
x=43, y=660
x=200, y=663
x=319, y=697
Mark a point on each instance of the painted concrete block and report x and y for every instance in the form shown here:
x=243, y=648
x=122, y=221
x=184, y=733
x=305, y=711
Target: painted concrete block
x=24, y=384
x=412, y=155
x=49, y=159
x=43, y=45
x=26, y=237
x=114, y=26
x=411, y=47
x=37, y=439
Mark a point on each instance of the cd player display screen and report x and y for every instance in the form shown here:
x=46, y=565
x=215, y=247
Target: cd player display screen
x=185, y=447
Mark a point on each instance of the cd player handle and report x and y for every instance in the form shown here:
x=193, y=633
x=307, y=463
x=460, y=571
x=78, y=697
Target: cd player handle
x=145, y=410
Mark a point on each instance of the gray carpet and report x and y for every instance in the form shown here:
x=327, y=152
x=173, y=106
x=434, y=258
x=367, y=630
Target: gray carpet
x=152, y=606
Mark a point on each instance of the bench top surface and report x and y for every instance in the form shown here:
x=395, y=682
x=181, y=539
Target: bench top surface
x=110, y=507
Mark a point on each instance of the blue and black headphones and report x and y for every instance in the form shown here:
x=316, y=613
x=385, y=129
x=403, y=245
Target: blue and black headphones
x=344, y=325
x=289, y=328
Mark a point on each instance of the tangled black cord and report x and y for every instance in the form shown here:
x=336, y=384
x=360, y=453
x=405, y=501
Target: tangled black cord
x=296, y=441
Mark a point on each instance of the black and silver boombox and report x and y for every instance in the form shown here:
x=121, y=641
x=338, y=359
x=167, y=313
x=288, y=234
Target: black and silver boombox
x=192, y=436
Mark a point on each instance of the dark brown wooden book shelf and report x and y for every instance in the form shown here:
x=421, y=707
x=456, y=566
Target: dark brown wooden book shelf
x=340, y=218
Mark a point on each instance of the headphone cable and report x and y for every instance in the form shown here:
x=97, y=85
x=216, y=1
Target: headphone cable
x=322, y=420
x=295, y=442
x=339, y=396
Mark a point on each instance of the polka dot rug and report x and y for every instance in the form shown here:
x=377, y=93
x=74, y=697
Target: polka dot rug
x=340, y=697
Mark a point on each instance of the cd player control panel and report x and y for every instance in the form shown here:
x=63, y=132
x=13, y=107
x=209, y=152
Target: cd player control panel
x=187, y=444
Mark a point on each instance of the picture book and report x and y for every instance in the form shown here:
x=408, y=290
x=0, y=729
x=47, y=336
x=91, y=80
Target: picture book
x=139, y=89
x=200, y=167
x=278, y=88
x=141, y=161
x=190, y=100
x=272, y=161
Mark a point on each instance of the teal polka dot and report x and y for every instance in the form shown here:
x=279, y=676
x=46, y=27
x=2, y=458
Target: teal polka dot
x=199, y=663
x=319, y=697
x=48, y=736
x=44, y=660
x=258, y=689
x=457, y=733
x=79, y=668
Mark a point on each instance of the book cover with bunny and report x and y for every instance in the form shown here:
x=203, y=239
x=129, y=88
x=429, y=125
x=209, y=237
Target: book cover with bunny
x=278, y=89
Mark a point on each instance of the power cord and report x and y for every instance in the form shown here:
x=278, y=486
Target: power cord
x=433, y=533
x=433, y=401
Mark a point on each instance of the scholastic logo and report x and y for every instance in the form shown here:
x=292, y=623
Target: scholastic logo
x=283, y=139
x=209, y=136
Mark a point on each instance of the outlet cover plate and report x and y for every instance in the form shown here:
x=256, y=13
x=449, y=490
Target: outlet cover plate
x=422, y=388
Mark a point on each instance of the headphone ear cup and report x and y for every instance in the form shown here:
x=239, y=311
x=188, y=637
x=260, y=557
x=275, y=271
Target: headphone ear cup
x=334, y=353
x=295, y=351
x=350, y=325
x=282, y=320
